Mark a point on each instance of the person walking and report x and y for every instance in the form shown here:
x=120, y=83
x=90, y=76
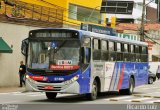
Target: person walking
x=22, y=71
x=158, y=72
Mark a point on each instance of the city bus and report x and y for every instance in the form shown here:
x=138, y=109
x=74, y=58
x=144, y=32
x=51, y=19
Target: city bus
x=74, y=61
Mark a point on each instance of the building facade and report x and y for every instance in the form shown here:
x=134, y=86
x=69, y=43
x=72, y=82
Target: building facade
x=35, y=14
x=135, y=17
x=76, y=11
x=152, y=32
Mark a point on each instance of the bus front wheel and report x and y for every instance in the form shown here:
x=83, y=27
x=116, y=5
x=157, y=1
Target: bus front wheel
x=51, y=95
x=93, y=94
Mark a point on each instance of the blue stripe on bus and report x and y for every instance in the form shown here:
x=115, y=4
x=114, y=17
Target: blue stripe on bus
x=84, y=81
x=138, y=70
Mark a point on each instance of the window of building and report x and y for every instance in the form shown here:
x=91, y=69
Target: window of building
x=73, y=12
x=85, y=14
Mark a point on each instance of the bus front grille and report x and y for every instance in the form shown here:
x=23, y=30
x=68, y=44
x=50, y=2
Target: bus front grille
x=54, y=88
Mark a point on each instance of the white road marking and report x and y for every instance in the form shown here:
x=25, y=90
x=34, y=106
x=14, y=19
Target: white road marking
x=3, y=93
x=34, y=95
x=155, y=101
x=10, y=93
x=119, y=98
x=9, y=102
x=149, y=88
x=137, y=99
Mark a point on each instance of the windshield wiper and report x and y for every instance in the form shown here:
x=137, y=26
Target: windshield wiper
x=56, y=50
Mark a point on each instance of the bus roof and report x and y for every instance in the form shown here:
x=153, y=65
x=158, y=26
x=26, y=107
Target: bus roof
x=98, y=35
x=112, y=38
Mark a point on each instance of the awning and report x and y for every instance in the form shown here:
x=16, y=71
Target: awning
x=157, y=56
x=4, y=48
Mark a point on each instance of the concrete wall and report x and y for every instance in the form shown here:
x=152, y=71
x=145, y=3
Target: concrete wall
x=9, y=63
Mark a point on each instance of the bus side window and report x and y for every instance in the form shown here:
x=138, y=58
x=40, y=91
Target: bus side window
x=112, y=53
x=104, y=50
x=132, y=54
x=96, y=49
x=119, y=52
x=137, y=52
x=144, y=56
x=111, y=46
x=126, y=54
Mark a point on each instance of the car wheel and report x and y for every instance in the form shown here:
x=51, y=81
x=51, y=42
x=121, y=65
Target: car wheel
x=150, y=80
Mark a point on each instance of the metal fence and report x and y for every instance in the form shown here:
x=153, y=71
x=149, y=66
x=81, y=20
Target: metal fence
x=22, y=10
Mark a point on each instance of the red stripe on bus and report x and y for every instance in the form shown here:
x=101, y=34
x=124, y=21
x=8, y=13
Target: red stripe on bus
x=121, y=78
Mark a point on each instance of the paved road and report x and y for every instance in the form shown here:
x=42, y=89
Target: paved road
x=147, y=94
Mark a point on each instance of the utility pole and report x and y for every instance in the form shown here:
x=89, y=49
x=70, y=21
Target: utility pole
x=158, y=14
x=142, y=21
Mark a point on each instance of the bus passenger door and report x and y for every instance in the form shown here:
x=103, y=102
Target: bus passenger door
x=86, y=69
x=108, y=74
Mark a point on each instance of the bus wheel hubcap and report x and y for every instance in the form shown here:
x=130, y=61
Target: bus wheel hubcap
x=94, y=91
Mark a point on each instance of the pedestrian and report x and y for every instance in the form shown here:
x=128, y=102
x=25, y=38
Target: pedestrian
x=22, y=71
x=158, y=72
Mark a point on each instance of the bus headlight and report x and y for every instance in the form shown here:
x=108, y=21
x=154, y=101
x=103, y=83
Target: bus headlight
x=30, y=79
x=75, y=78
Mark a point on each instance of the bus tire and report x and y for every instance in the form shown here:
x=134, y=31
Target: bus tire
x=130, y=90
x=94, y=92
x=51, y=95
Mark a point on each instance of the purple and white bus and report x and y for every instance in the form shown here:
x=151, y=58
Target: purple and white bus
x=81, y=62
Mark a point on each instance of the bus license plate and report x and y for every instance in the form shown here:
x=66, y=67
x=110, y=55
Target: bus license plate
x=48, y=87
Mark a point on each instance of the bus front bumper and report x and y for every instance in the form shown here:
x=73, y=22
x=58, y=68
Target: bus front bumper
x=34, y=86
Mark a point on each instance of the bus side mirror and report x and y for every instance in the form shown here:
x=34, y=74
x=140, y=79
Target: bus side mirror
x=24, y=47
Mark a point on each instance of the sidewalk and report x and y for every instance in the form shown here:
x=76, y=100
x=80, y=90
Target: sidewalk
x=11, y=89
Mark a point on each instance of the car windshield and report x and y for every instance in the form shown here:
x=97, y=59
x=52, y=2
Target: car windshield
x=58, y=52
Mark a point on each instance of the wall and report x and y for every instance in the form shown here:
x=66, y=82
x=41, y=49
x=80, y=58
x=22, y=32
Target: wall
x=151, y=15
x=9, y=63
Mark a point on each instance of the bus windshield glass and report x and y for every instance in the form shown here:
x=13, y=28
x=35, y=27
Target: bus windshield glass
x=44, y=54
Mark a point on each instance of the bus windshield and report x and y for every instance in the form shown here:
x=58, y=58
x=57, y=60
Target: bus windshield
x=43, y=54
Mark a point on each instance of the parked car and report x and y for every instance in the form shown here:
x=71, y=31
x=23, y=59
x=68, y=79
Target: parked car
x=151, y=77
